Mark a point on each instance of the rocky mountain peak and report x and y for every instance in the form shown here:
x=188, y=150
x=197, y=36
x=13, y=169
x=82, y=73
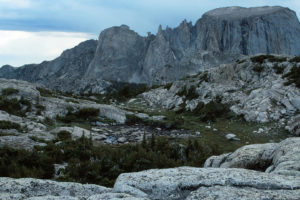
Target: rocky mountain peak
x=159, y=31
x=121, y=55
x=236, y=12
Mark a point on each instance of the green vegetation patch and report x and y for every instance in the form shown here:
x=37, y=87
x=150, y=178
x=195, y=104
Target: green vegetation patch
x=23, y=163
x=261, y=58
x=295, y=59
x=278, y=69
x=125, y=91
x=277, y=59
x=240, y=61
x=258, y=68
x=168, y=86
x=45, y=92
x=10, y=125
x=84, y=114
x=188, y=93
x=9, y=91
x=64, y=135
x=102, y=164
x=15, y=106
x=211, y=111
x=293, y=76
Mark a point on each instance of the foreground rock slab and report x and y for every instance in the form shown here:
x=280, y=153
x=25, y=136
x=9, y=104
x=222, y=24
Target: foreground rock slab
x=195, y=183
x=247, y=193
x=30, y=188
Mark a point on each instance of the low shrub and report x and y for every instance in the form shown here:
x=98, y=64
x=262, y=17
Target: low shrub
x=40, y=107
x=168, y=86
x=45, y=92
x=10, y=125
x=48, y=121
x=258, y=68
x=295, y=59
x=278, y=70
x=84, y=114
x=102, y=164
x=191, y=93
x=204, y=77
x=125, y=91
x=24, y=163
x=277, y=59
x=132, y=119
x=9, y=91
x=211, y=111
x=87, y=113
x=188, y=93
x=293, y=76
x=261, y=58
x=14, y=106
x=64, y=135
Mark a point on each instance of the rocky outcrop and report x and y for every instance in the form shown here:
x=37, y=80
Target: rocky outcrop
x=115, y=196
x=36, y=189
x=197, y=183
x=121, y=55
x=252, y=89
x=293, y=125
x=275, y=158
x=56, y=104
x=33, y=129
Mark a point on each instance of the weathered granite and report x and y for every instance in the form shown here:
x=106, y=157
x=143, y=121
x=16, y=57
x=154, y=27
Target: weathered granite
x=29, y=187
x=257, y=96
x=275, y=158
x=190, y=183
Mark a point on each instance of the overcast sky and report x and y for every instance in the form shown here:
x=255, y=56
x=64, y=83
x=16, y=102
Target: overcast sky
x=35, y=30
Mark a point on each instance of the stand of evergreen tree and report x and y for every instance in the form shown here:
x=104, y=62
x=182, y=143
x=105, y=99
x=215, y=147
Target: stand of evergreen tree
x=101, y=164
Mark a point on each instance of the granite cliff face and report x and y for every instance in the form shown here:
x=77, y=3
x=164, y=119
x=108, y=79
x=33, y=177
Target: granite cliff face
x=220, y=36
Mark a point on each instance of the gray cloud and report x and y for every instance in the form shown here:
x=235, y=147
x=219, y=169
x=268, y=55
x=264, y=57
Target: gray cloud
x=92, y=16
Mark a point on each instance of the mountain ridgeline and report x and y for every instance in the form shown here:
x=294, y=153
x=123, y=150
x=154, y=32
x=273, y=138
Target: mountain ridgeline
x=121, y=55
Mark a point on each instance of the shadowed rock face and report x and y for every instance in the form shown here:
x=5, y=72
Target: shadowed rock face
x=118, y=55
x=220, y=36
x=62, y=73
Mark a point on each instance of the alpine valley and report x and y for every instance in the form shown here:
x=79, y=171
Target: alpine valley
x=202, y=111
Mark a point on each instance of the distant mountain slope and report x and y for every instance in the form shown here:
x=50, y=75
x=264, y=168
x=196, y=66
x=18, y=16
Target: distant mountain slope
x=220, y=36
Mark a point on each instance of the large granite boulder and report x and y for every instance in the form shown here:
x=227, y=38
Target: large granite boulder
x=293, y=125
x=275, y=158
